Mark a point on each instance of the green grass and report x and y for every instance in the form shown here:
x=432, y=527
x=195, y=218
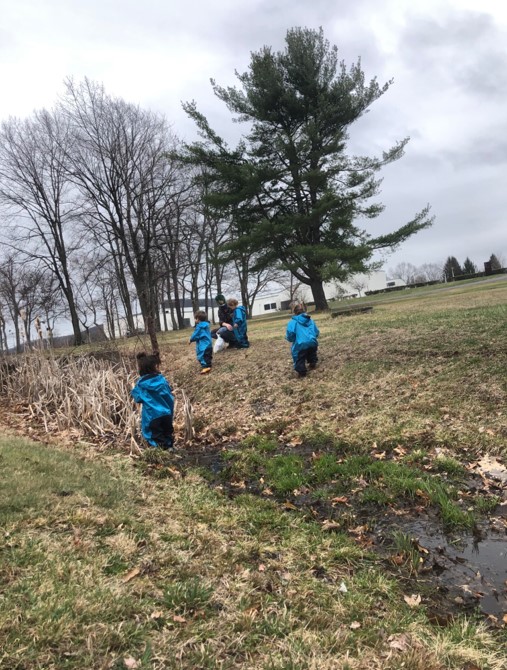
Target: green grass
x=35, y=478
x=170, y=574
x=103, y=563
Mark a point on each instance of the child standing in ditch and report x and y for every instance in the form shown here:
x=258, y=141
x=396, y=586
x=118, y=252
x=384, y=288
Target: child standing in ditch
x=153, y=392
x=302, y=331
x=203, y=342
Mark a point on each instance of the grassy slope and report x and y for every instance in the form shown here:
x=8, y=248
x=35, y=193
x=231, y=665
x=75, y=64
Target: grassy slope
x=430, y=368
x=104, y=568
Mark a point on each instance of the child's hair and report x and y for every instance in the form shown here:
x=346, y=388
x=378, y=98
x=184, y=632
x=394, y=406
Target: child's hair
x=200, y=316
x=298, y=308
x=148, y=364
x=232, y=302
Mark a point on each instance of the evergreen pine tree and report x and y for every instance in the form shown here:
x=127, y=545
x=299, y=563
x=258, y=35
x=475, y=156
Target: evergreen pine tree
x=495, y=263
x=469, y=267
x=291, y=190
x=452, y=268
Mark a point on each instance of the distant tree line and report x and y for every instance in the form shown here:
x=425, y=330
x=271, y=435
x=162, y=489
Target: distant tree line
x=446, y=271
x=106, y=213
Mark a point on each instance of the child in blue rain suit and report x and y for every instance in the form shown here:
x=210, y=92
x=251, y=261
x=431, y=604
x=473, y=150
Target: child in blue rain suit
x=239, y=324
x=203, y=342
x=303, y=333
x=154, y=393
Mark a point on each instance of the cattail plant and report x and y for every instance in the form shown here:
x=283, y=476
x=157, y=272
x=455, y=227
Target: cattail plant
x=81, y=393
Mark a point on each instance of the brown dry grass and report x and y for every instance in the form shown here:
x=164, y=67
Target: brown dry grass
x=429, y=371
x=169, y=574
x=173, y=575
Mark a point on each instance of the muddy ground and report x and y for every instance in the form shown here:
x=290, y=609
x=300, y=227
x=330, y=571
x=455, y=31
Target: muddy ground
x=458, y=570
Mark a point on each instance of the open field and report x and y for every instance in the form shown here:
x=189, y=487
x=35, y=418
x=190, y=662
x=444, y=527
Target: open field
x=310, y=524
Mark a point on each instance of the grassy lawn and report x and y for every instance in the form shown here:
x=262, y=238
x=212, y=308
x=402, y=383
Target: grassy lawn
x=104, y=568
x=112, y=562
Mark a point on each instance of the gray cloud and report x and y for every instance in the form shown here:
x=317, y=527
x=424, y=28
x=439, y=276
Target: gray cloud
x=450, y=83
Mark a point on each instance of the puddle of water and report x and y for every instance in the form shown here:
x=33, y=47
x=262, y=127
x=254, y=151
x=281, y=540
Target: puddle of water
x=469, y=571
x=473, y=570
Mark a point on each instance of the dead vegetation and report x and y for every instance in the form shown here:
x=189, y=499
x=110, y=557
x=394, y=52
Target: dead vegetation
x=80, y=394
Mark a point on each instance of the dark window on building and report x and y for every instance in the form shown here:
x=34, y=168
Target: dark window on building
x=269, y=306
x=391, y=283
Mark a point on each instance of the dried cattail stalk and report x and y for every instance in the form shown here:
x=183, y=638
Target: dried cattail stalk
x=188, y=432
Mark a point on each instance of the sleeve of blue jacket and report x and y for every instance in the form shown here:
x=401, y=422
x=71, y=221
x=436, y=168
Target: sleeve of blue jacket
x=137, y=394
x=290, y=334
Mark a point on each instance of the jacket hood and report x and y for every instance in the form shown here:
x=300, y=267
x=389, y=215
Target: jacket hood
x=302, y=319
x=152, y=382
x=202, y=324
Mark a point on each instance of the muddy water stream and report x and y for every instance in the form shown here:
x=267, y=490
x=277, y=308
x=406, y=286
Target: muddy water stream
x=465, y=570
x=469, y=569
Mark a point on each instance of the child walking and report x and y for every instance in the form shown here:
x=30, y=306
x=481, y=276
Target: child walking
x=154, y=393
x=239, y=323
x=302, y=331
x=203, y=343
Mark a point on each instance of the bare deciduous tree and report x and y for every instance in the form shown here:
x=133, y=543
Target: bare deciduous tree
x=36, y=193
x=120, y=161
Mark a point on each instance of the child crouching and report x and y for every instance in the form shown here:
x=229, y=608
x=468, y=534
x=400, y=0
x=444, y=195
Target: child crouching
x=154, y=393
x=203, y=343
x=302, y=331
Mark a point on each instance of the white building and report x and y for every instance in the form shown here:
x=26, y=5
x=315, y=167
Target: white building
x=355, y=287
x=273, y=300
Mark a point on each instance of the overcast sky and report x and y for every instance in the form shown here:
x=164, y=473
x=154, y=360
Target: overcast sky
x=448, y=59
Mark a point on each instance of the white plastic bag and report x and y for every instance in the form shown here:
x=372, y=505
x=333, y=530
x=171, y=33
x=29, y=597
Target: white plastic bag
x=219, y=344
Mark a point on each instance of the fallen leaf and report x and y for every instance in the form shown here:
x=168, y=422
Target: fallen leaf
x=380, y=456
x=413, y=600
x=340, y=499
x=133, y=573
x=399, y=642
x=261, y=568
x=156, y=615
x=179, y=619
x=398, y=559
x=422, y=549
x=330, y=525
x=130, y=663
x=358, y=530
x=354, y=625
x=423, y=495
x=343, y=588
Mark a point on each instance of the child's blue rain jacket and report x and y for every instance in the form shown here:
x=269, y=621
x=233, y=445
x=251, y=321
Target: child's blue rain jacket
x=202, y=338
x=302, y=331
x=154, y=393
x=239, y=317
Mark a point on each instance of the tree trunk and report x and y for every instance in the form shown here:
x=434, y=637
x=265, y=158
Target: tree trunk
x=319, y=297
x=146, y=303
x=78, y=338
